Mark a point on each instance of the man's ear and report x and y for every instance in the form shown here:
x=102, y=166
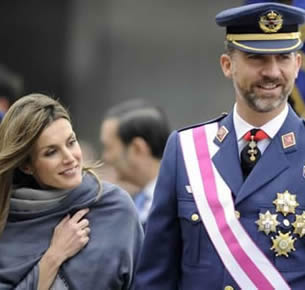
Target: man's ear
x=300, y=64
x=226, y=65
x=26, y=169
x=139, y=146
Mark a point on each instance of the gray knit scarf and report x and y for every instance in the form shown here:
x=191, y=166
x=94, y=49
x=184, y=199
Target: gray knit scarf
x=33, y=200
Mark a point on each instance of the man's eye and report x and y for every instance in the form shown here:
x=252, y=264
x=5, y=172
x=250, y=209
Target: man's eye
x=285, y=56
x=254, y=56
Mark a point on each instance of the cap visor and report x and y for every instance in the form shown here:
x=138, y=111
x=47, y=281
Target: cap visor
x=268, y=47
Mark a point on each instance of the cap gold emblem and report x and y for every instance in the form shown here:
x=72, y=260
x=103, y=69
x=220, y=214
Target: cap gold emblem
x=271, y=22
x=267, y=222
x=283, y=244
x=299, y=224
x=285, y=203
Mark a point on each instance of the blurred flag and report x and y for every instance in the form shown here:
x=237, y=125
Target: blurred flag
x=298, y=93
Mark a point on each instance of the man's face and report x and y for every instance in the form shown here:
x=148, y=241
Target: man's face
x=262, y=82
x=115, y=153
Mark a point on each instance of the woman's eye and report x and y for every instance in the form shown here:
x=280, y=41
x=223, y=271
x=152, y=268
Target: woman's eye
x=50, y=153
x=72, y=141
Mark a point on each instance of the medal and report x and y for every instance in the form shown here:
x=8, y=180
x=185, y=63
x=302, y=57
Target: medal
x=267, y=222
x=299, y=224
x=285, y=203
x=283, y=244
x=252, y=151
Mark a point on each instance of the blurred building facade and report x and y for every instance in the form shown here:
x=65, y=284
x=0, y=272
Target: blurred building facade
x=93, y=54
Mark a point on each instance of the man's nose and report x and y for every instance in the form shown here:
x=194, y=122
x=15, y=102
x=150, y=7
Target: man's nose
x=271, y=68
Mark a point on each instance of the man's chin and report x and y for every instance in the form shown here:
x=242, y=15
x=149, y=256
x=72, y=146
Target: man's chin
x=266, y=105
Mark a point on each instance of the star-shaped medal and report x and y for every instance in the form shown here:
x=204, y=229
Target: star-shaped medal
x=299, y=224
x=285, y=203
x=267, y=222
x=283, y=244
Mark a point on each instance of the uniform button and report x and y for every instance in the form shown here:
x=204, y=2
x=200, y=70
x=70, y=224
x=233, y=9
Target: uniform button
x=228, y=287
x=237, y=214
x=195, y=217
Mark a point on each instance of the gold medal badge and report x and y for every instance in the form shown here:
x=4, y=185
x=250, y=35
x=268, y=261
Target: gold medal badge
x=267, y=222
x=299, y=224
x=285, y=203
x=283, y=244
x=271, y=22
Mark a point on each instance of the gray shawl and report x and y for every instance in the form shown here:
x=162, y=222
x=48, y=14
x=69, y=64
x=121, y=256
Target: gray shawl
x=106, y=263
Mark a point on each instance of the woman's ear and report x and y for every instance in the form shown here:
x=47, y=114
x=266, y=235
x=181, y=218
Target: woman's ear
x=26, y=169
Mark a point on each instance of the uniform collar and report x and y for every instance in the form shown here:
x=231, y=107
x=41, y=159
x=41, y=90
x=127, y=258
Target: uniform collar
x=271, y=127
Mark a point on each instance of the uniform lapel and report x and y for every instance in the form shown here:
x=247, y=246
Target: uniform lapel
x=274, y=160
x=226, y=159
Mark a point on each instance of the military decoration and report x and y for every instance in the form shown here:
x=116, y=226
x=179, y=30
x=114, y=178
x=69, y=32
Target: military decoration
x=283, y=244
x=253, y=149
x=299, y=224
x=282, y=241
x=267, y=222
x=285, y=203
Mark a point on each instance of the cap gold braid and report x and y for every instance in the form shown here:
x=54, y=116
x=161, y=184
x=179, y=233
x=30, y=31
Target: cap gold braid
x=262, y=36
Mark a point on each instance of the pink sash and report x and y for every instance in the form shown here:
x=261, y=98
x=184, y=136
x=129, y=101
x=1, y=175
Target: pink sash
x=248, y=266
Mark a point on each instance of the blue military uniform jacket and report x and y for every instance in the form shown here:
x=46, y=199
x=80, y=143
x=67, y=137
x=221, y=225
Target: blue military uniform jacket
x=178, y=253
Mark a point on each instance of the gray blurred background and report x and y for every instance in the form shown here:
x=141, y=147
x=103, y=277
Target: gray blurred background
x=95, y=53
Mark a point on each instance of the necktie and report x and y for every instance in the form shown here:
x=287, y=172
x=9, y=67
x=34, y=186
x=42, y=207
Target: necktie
x=251, y=153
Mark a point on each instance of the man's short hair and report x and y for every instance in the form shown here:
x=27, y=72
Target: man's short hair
x=139, y=118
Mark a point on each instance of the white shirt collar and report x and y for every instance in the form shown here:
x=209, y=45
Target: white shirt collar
x=150, y=187
x=271, y=127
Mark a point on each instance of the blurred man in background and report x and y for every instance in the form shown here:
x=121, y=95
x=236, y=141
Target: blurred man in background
x=133, y=136
x=11, y=87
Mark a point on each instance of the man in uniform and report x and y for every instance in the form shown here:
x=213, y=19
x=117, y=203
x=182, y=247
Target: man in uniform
x=229, y=204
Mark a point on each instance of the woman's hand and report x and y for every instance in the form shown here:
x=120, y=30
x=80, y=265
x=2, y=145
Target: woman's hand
x=69, y=237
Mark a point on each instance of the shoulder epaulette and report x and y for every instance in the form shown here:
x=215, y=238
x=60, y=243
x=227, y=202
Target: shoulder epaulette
x=217, y=119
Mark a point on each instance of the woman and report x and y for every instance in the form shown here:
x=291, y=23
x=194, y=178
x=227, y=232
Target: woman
x=60, y=228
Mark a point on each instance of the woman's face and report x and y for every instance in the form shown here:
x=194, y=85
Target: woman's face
x=56, y=159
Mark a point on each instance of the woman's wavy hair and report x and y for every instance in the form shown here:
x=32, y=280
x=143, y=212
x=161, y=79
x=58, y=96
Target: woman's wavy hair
x=19, y=130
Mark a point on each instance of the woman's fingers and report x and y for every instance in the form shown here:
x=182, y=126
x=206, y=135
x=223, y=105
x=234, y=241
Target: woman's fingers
x=83, y=223
x=79, y=215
